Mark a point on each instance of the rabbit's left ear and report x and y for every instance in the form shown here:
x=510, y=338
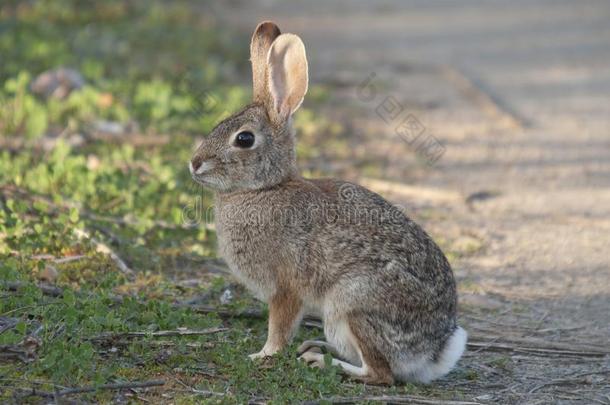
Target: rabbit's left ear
x=287, y=76
x=264, y=35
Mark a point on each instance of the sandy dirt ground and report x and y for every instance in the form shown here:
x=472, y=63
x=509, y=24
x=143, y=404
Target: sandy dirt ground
x=518, y=95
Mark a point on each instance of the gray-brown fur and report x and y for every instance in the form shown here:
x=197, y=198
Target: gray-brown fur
x=383, y=288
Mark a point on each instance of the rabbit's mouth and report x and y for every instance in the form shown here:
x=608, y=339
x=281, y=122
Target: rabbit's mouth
x=206, y=181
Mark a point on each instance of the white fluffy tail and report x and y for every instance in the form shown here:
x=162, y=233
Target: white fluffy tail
x=454, y=348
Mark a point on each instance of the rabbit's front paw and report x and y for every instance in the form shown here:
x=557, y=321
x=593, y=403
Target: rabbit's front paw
x=265, y=352
x=259, y=355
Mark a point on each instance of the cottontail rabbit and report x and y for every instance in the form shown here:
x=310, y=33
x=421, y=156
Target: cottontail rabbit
x=383, y=288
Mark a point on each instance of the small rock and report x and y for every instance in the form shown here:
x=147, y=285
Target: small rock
x=226, y=297
x=30, y=345
x=57, y=83
x=482, y=196
x=49, y=274
x=163, y=356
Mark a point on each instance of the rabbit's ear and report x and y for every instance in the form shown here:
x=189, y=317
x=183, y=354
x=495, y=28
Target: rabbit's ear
x=264, y=35
x=287, y=71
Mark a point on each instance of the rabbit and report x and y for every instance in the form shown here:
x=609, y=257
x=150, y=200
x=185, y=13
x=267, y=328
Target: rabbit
x=382, y=287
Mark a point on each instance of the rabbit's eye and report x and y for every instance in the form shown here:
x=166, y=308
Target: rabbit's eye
x=244, y=140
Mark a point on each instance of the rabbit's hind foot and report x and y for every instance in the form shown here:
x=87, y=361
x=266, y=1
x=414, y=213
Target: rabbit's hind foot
x=324, y=347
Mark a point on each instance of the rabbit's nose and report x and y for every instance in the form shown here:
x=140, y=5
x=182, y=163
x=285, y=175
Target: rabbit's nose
x=196, y=163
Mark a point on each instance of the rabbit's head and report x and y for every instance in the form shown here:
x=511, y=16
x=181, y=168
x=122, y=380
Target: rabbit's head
x=255, y=148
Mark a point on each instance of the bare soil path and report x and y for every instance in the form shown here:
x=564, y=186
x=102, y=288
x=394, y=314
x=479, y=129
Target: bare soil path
x=518, y=94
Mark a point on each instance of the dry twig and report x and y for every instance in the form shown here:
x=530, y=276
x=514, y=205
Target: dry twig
x=535, y=347
x=177, y=332
x=393, y=399
x=101, y=247
x=206, y=393
x=83, y=390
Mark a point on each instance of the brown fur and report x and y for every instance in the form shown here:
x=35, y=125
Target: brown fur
x=379, y=371
x=285, y=312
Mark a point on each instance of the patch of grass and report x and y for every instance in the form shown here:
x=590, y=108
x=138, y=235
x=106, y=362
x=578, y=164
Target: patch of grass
x=502, y=362
x=70, y=356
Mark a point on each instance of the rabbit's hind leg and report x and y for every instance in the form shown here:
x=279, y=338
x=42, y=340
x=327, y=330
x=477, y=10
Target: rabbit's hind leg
x=373, y=368
x=376, y=366
x=377, y=375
